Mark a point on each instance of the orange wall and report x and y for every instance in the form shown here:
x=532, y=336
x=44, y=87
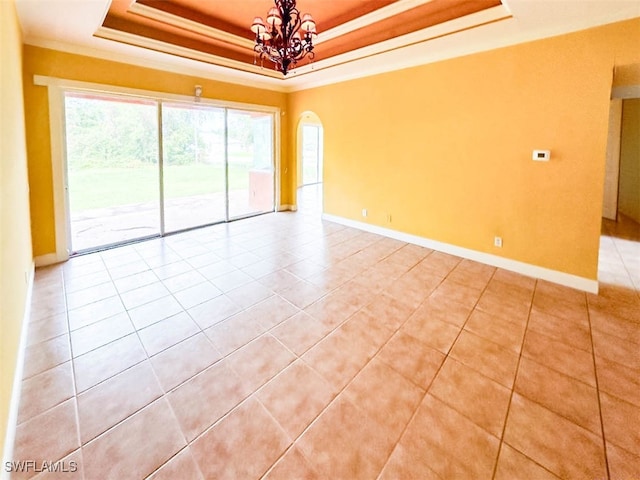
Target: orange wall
x=445, y=148
x=40, y=61
x=16, y=262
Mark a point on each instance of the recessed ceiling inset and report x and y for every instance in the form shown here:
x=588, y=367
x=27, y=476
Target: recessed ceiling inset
x=218, y=31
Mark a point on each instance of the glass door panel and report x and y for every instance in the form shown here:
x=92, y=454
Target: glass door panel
x=310, y=154
x=217, y=165
x=193, y=165
x=112, y=169
x=250, y=162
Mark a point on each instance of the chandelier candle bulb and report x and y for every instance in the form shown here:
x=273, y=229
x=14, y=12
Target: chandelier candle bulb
x=308, y=23
x=258, y=26
x=274, y=18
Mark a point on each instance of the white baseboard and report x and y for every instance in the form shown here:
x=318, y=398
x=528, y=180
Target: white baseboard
x=288, y=208
x=48, y=259
x=12, y=420
x=535, y=271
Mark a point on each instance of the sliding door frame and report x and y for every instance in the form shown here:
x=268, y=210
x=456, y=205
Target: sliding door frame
x=57, y=87
x=65, y=166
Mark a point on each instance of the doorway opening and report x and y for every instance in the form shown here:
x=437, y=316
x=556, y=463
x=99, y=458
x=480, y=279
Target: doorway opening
x=620, y=237
x=311, y=154
x=139, y=168
x=310, y=150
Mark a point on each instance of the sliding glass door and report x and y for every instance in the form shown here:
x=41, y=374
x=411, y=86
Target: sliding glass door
x=250, y=155
x=112, y=169
x=138, y=167
x=194, y=165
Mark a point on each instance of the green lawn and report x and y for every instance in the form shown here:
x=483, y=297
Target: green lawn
x=106, y=187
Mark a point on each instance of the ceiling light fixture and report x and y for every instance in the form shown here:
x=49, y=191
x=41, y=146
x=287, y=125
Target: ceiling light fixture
x=280, y=39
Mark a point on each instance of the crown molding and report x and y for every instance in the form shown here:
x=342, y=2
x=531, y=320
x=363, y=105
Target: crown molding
x=370, y=18
x=391, y=53
x=190, y=25
x=133, y=55
x=153, y=44
x=449, y=27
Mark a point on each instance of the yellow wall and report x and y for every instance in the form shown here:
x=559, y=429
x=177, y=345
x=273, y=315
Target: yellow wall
x=445, y=148
x=629, y=193
x=40, y=61
x=15, y=235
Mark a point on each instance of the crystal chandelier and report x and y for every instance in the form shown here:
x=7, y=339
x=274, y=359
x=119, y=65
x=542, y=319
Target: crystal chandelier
x=286, y=37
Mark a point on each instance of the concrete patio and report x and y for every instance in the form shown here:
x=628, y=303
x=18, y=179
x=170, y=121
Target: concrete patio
x=106, y=226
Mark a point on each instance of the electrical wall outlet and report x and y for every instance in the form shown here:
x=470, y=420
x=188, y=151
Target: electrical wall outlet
x=388, y=218
x=497, y=242
x=364, y=212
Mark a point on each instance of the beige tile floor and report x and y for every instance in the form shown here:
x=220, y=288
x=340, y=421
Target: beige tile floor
x=287, y=347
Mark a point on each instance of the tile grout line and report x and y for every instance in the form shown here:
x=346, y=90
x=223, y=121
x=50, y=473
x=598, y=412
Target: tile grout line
x=292, y=445
x=341, y=391
x=446, y=356
x=66, y=311
x=615, y=240
x=624, y=264
x=331, y=402
x=112, y=427
x=564, y=374
x=534, y=401
x=513, y=386
x=177, y=386
x=164, y=395
x=595, y=374
x=73, y=370
x=334, y=399
x=235, y=407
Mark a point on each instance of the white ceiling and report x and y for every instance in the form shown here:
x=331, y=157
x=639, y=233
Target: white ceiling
x=69, y=25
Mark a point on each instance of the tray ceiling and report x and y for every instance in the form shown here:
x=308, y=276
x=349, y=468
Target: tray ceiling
x=217, y=31
x=212, y=38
